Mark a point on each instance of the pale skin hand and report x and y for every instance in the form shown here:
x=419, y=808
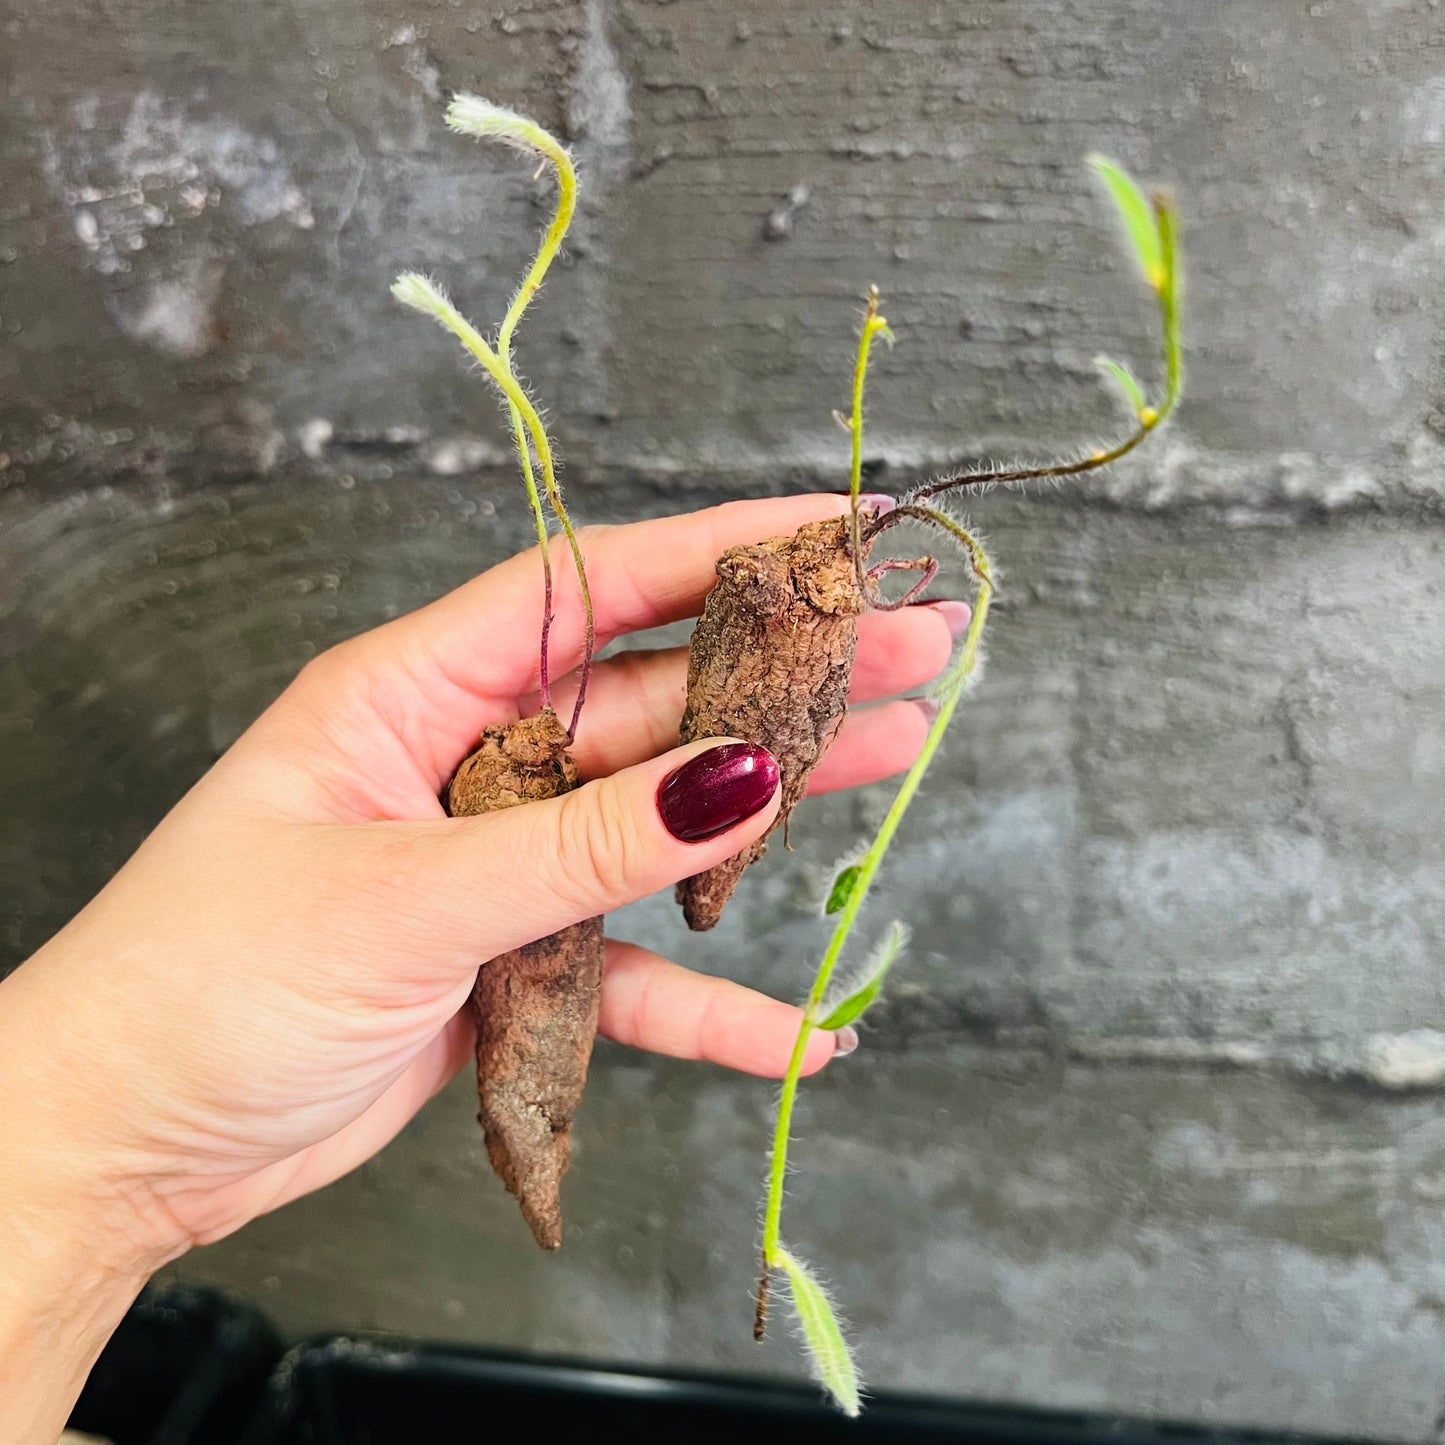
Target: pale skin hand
x=272, y=987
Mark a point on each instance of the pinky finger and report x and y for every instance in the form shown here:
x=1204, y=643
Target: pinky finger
x=649, y=1003
x=874, y=743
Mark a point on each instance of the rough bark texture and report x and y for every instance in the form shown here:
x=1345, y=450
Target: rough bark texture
x=770, y=662
x=536, y=1007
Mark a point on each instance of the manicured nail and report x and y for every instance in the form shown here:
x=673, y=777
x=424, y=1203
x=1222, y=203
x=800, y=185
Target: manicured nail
x=716, y=790
x=877, y=502
x=846, y=1041
x=956, y=614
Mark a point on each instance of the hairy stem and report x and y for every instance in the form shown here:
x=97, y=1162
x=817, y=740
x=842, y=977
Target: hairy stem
x=949, y=694
x=1166, y=290
x=874, y=326
x=425, y=296
x=539, y=520
x=560, y=160
x=1150, y=226
x=471, y=115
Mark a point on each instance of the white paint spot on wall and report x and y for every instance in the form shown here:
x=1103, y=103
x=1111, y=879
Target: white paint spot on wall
x=1422, y=115
x=314, y=436
x=173, y=313
x=599, y=108
x=457, y=456
x=1414, y=1060
x=161, y=167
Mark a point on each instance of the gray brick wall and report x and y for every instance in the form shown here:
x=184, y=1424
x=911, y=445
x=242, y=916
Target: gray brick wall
x=1129, y=1132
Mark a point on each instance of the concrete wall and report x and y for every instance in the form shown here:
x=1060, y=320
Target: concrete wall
x=1133, y=1130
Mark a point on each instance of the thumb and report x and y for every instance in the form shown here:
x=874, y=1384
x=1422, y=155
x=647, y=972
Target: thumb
x=519, y=874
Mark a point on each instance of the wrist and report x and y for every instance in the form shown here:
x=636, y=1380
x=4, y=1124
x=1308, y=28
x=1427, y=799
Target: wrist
x=60, y=1301
x=73, y=1172
x=79, y=1239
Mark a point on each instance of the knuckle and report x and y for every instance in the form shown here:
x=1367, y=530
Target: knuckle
x=330, y=688
x=592, y=533
x=600, y=853
x=327, y=671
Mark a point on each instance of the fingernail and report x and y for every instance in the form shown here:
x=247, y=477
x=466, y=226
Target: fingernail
x=846, y=1040
x=878, y=502
x=956, y=614
x=716, y=790
x=928, y=706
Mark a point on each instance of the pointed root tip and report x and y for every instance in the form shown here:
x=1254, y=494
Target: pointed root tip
x=537, y=1185
x=541, y=1207
x=547, y=1232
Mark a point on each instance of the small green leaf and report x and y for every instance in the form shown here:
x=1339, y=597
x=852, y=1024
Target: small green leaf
x=471, y=115
x=1163, y=210
x=822, y=1335
x=1140, y=223
x=421, y=293
x=842, y=889
x=854, y=1006
x=1127, y=383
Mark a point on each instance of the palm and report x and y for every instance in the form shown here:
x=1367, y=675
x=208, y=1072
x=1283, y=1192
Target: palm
x=351, y=1001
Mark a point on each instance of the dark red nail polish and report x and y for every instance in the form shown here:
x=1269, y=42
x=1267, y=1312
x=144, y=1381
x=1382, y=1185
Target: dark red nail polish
x=716, y=790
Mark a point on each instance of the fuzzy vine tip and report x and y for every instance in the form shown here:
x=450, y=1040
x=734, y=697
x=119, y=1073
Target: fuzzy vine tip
x=471, y=115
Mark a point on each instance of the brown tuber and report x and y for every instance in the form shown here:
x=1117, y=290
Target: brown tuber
x=535, y=1008
x=770, y=662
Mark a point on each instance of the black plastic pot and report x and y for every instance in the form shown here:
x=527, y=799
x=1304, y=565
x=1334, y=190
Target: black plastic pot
x=343, y=1391
x=186, y=1367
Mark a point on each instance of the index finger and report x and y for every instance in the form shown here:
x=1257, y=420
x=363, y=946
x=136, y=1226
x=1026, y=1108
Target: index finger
x=640, y=575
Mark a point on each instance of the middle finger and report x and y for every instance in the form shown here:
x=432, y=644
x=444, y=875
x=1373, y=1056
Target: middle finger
x=635, y=700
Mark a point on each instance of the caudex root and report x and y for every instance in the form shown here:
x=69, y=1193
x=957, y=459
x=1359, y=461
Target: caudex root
x=769, y=662
x=535, y=1009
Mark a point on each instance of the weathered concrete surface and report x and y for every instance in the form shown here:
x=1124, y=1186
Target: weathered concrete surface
x=206, y=203
x=1165, y=1240
x=1129, y=1132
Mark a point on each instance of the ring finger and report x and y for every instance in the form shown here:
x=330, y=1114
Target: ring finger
x=635, y=700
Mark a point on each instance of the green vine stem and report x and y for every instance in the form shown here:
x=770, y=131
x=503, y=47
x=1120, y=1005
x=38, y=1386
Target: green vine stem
x=874, y=326
x=473, y=116
x=948, y=696
x=1150, y=226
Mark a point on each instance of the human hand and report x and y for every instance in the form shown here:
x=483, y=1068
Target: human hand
x=270, y=989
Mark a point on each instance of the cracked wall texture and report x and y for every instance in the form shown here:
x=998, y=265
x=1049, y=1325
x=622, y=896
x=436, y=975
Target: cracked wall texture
x=1147, y=1122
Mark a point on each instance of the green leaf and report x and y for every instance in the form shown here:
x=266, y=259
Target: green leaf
x=822, y=1335
x=1163, y=210
x=471, y=115
x=421, y=293
x=1126, y=381
x=1140, y=223
x=842, y=889
x=862, y=997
